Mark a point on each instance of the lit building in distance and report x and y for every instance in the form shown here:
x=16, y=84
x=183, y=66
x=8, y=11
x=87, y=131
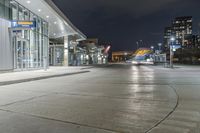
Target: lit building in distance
x=94, y=53
x=121, y=56
x=167, y=36
x=181, y=30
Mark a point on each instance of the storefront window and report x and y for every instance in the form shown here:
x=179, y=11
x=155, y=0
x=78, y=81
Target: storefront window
x=35, y=41
x=1, y=8
x=21, y=13
x=7, y=9
x=4, y=9
x=31, y=16
x=26, y=14
x=14, y=10
x=45, y=28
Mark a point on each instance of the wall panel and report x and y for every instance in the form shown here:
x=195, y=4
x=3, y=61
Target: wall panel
x=6, y=54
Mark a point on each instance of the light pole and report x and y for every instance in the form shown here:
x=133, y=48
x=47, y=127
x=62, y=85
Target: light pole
x=152, y=48
x=159, y=45
x=153, y=55
x=137, y=45
x=172, y=39
x=141, y=41
x=125, y=55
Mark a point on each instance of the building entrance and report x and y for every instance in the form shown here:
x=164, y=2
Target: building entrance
x=22, y=56
x=56, y=55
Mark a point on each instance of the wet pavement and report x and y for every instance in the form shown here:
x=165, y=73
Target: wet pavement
x=113, y=99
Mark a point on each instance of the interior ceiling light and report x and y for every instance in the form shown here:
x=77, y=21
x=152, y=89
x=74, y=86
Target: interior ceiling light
x=28, y=1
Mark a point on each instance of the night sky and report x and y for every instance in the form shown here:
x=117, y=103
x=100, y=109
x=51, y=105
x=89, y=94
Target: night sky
x=123, y=22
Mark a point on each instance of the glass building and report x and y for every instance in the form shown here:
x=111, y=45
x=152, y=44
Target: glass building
x=29, y=45
x=25, y=29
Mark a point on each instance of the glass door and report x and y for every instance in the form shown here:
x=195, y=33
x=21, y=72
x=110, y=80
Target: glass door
x=22, y=54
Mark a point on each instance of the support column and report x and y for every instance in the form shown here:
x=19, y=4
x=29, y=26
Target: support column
x=66, y=51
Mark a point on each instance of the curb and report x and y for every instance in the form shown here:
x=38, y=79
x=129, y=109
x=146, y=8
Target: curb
x=40, y=78
x=97, y=66
x=87, y=68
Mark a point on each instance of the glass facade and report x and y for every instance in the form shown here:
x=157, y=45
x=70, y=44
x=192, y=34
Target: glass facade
x=30, y=46
x=56, y=55
x=5, y=9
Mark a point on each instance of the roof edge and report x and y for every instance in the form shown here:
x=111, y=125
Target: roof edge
x=61, y=14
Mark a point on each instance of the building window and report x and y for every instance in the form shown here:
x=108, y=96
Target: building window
x=36, y=39
x=26, y=14
x=14, y=8
x=21, y=12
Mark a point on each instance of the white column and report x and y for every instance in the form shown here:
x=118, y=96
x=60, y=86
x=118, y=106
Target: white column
x=66, y=52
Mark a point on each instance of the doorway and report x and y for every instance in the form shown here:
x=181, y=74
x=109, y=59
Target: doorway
x=22, y=54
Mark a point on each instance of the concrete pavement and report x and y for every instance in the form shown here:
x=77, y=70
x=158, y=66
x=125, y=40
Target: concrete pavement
x=115, y=99
x=12, y=77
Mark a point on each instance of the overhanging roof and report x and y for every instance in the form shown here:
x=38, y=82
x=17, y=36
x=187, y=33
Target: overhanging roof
x=59, y=24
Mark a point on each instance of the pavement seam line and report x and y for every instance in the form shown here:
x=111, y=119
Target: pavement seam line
x=62, y=121
x=39, y=78
x=169, y=114
x=167, y=84
x=25, y=100
x=108, y=97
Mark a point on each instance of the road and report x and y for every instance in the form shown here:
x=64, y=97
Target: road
x=113, y=99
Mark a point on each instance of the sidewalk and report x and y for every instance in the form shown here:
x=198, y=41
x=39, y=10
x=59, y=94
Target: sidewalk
x=7, y=78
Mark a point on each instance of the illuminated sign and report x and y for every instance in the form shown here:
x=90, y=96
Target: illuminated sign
x=23, y=24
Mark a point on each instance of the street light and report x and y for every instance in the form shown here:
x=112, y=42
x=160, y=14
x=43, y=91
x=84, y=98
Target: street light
x=172, y=39
x=152, y=48
x=141, y=41
x=159, y=45
x=125, y=55
x=137, y=45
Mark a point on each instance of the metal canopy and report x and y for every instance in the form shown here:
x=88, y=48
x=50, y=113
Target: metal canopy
x=59, y=24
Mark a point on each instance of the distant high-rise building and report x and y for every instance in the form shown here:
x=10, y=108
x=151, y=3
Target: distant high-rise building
x=196, y=41
x=181, y=30
x=167, y=36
